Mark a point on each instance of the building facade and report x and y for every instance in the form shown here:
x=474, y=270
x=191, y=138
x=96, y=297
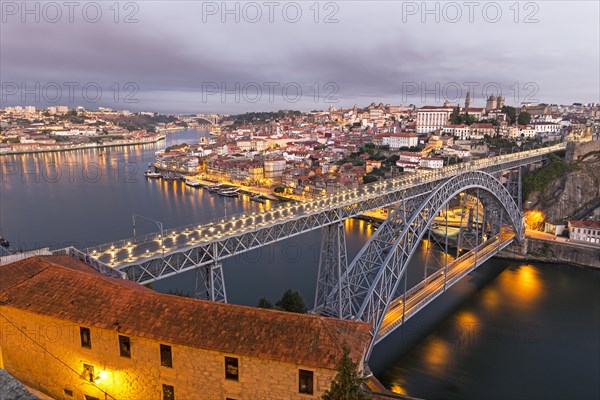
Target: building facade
x=72, y=333
x=585, y=231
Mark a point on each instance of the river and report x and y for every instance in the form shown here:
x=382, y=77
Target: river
x=510, y=330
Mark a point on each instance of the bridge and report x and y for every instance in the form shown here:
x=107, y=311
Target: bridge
x=373, y=286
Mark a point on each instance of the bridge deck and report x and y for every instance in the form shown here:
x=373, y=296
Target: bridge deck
x=428, y=290
x=285, y=220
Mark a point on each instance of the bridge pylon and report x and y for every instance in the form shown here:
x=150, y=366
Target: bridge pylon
x=210, y=284
x=332, y=295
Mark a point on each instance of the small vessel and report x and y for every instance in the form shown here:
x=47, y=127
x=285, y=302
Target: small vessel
x=169, y=177
x=259, y=199
x=152, y=174
x=4, y=242
x=228, y=192
x=192, y=183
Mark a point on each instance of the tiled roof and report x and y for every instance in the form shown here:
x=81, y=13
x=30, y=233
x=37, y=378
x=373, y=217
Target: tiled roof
x=585, y=224
x=64, y=288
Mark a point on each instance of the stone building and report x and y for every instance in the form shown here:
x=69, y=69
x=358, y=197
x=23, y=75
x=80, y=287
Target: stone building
x=73, y=333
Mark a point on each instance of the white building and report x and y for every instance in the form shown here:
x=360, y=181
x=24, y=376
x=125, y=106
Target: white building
x=274, y=168
x=396, y=140
x=431, y=118
x=431, y=162
x=585, y=231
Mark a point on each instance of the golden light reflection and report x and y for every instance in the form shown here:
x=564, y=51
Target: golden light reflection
x=438, y=355
x=534, y=220
x=397, y=388
x=523, y=283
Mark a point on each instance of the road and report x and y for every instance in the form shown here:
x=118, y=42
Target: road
x=422, y=293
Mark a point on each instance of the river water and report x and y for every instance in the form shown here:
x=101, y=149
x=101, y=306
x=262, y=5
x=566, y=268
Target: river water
x=510, y=330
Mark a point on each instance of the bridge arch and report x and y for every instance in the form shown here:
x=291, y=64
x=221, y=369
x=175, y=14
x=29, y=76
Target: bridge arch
x=372, y=279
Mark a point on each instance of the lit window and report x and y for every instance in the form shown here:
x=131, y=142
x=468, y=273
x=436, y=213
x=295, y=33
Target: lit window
x=86, y=340
x=231, y=368
x=305, y=380
x=168, y=392
x=125, y=346
x=166, y=358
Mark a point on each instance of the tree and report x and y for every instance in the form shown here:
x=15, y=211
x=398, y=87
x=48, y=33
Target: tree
x=524, y=118
x=455, y=116
x=369, y=178
x=511, y=114
x=346, y=385
x=263, y=302
x=291, y=301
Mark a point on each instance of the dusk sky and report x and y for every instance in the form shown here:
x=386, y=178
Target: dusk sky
x=180, y=54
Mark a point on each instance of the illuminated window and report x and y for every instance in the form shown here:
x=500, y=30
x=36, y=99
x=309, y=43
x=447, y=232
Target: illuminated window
x=86, y=340
x=166, y=358
x=124, y=346
x=231, y=368
x=168, y=392
x=305, y=380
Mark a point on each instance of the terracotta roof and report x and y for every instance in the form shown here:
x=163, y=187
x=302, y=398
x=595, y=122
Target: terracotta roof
x=77, y=293
x=585, y=224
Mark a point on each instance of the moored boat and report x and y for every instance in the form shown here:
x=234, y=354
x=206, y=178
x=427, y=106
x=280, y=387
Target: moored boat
x=152, y=174
x=192, y=183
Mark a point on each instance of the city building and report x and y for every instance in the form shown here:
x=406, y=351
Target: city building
x=432, y=118
x=585, y=231
x=73, y=333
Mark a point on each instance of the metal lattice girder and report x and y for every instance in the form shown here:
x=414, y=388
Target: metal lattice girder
x=210, y=283
x=332, y=299
x=513, y=185
x=373, y=276
x=143, y=262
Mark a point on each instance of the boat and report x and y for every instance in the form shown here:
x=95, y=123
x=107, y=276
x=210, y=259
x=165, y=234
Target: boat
x=152, y=174
x=4, y=242
x=259, y=199
x=213, y=188
x=229, y=192
x=192, y=183
x=169, y=177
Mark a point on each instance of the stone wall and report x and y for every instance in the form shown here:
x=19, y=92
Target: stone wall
x=533, y=249
x=196, y=373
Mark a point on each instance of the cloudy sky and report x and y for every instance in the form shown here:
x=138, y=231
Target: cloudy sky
x=193, y=56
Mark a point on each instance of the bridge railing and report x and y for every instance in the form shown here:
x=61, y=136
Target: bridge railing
x=366, y=191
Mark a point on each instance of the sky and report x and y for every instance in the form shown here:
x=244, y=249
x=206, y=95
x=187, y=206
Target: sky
x=234, y=57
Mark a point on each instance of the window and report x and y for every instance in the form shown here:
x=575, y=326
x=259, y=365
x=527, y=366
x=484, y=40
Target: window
x=68, y=392
x=88, y=397
x=124, y=346
x=86, y=340
x=305, y=380
x=231, y=368
x=168, y=392
x=166, y=359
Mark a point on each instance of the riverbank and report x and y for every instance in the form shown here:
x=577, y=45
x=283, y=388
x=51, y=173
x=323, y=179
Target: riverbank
x=59, y=148
x=553, y=250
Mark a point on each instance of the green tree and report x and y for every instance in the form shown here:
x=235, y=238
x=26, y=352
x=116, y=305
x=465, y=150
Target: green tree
x=346, y=385
x=455, y=118
x=263, y=302
x=511, y=114
x=524, y=118
x=291, y=301
x=369, y=178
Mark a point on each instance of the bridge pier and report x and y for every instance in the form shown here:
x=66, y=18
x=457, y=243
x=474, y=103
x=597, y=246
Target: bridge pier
x=210, y=284
x=331, y=297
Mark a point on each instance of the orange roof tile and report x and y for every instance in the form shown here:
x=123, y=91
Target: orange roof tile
x=64, y=288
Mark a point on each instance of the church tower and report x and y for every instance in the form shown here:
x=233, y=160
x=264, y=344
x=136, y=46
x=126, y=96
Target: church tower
x=468, y=101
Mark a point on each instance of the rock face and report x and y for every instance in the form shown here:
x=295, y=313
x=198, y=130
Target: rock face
x=575, y=192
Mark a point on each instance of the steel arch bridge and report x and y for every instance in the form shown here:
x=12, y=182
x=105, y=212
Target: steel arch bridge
x=366, y=288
